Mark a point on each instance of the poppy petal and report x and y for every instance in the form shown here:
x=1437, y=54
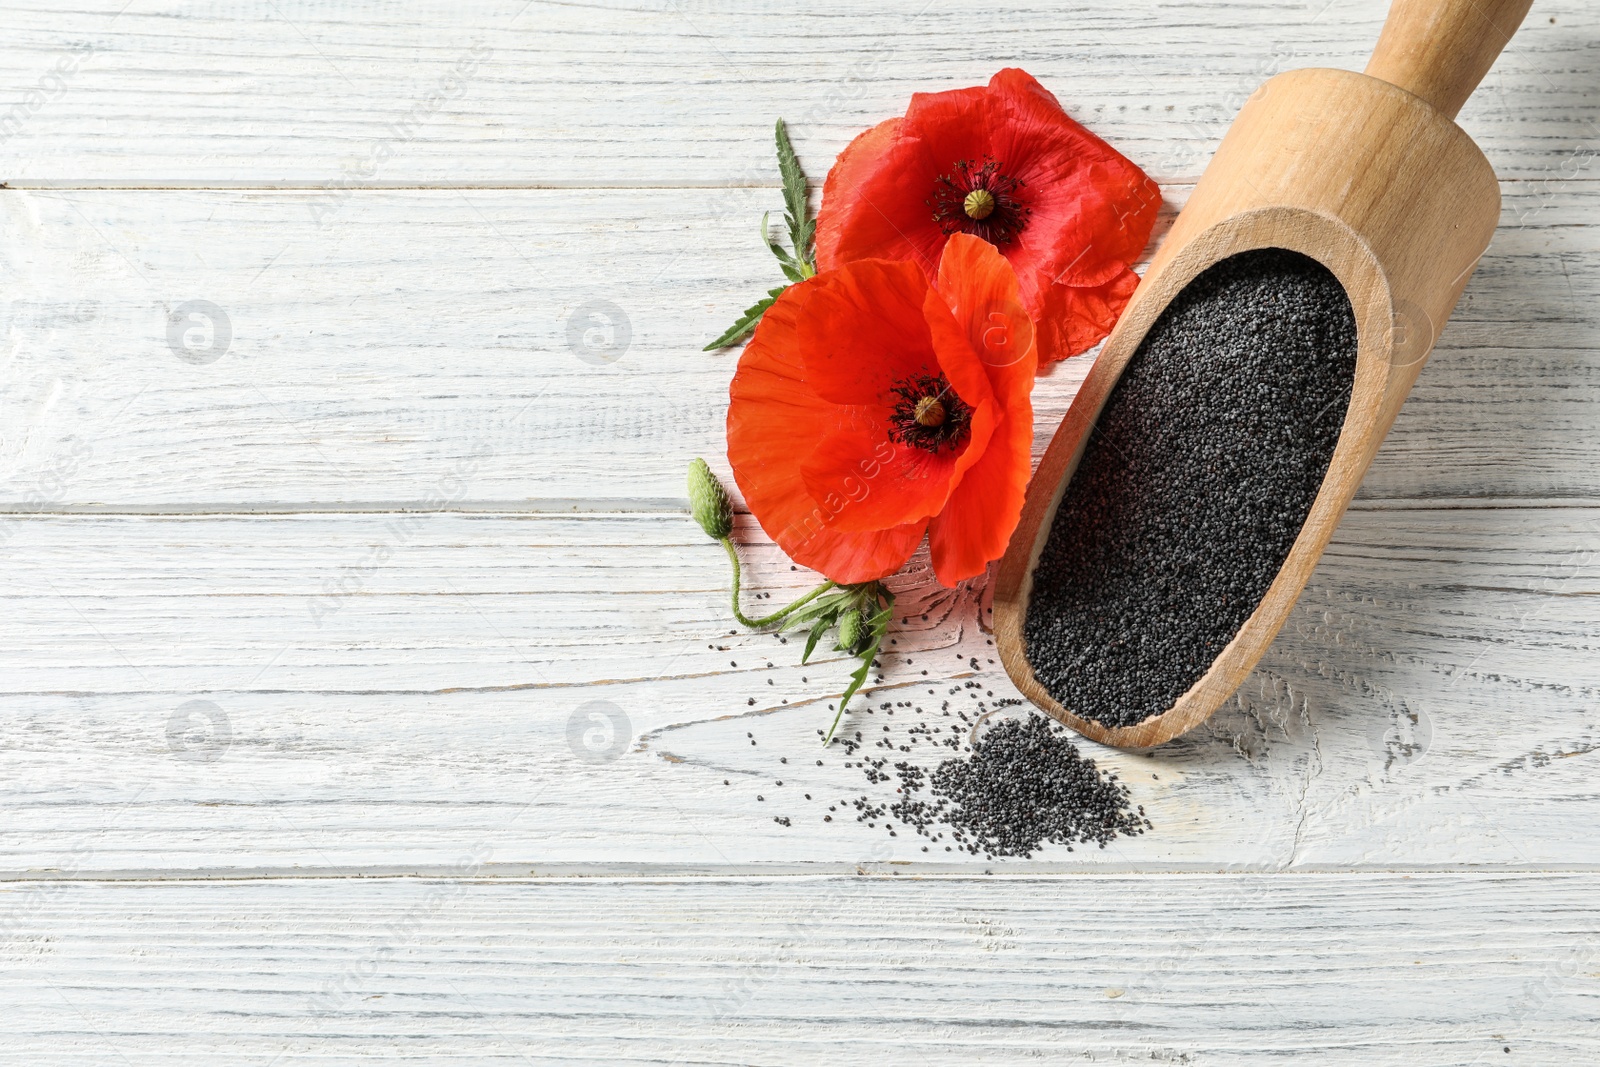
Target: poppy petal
x=1073, y=319
x=871, y=482
x=982, y=512
x=1092, y=209
x=880, y=209
x=841, y=192
x=862, y=331
x=984, y=507
x=773, y=416
x=965, y=372
x=982, y=292
x=868, y=480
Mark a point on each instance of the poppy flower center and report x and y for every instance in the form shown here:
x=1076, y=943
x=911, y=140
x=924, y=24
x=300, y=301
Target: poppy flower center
x=979, y=204
x=929, y=415
x=981, y=200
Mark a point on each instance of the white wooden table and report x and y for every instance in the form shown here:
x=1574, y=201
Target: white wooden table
x=321, y=532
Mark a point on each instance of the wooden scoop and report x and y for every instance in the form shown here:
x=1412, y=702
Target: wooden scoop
x=1369, y=175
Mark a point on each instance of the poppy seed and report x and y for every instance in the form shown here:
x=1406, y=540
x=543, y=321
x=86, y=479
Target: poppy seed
x=1193, y=487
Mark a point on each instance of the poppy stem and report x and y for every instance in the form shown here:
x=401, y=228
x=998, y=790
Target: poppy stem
x=781, y=613
x=879, y=625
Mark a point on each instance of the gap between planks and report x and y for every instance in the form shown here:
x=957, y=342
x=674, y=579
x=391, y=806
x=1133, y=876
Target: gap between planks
x=603, y=507
x=776, y=873
x=306, y=185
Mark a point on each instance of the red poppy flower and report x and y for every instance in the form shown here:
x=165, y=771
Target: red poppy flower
x=871, y=408
x=1007, y=164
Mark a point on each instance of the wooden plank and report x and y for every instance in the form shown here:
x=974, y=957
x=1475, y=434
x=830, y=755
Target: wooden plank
x=356, y=370
x=187, y=685
x=386, y=690
x=684, y=92
x=1372, y=970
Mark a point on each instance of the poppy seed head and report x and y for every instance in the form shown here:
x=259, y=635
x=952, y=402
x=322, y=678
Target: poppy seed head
x=929, y=415
x=981, y=200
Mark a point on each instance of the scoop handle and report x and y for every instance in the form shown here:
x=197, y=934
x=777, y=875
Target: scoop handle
x=1441, y=49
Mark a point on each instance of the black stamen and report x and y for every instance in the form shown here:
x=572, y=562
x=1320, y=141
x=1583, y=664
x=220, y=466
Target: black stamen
x=906, y=428
x=949, y=202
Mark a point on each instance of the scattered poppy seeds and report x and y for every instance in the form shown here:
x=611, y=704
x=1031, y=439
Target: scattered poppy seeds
x=1011, y=785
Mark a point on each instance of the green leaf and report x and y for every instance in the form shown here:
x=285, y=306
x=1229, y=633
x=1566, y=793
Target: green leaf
x=792, y=268
x=774, y=247
x=809, y=619
x=808, y=234
x=816, y=635
x=747, y=322
x=828, y=605
x=798, y=263
x=879, y=627
x=857, y=680
x=795, y=200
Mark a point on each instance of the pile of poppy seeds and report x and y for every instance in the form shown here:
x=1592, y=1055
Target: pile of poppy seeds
x=1193, y=487
x=1014, y=785
x=1022, y=785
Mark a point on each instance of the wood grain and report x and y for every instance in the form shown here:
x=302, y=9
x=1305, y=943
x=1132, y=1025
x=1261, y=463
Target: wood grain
x=1441, y=51
x=1430, y=701
x=684, y=92
x=1361, y=970
x=360, y=372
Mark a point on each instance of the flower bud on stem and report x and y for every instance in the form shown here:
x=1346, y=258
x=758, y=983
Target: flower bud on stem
x=711, y=508
x=781, y=613
x=859, y=613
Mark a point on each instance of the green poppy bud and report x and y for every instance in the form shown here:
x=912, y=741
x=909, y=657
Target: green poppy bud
x=852, y=628
x=708, y=501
